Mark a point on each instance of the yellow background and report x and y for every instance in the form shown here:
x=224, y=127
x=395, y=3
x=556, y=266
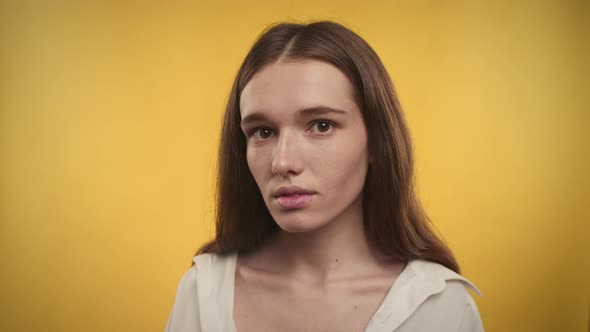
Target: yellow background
x=110, y=115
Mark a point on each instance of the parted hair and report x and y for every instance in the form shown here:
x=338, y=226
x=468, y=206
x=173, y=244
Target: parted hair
x=394, y=221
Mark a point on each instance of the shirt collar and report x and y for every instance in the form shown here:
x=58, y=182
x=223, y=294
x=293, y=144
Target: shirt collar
x=418, y=281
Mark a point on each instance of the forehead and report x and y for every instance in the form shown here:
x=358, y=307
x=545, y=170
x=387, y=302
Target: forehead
x=289, y=86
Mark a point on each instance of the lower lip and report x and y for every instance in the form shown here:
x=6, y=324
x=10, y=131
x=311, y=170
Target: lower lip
x=294, y=201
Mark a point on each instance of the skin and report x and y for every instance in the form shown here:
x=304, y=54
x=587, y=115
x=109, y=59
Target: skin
x=319, y=272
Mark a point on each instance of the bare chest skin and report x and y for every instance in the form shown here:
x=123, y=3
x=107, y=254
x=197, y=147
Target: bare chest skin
x=267, y=302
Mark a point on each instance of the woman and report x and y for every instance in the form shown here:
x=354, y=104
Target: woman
x=318, y=225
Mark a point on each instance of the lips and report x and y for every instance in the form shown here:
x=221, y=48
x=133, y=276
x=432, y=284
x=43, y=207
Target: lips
x=294, y=201
x=292, y=190
x=293, y=197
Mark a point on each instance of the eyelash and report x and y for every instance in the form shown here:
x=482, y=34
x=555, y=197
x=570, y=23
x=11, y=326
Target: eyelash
x=332, y=125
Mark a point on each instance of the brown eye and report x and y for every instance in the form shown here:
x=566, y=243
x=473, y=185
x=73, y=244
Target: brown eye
x=323, y=126
x=264, y=132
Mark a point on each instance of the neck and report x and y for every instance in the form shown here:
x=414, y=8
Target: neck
x=338, y=249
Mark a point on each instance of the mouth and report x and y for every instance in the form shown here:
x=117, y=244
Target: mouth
x=294, y=201
x=291, y=190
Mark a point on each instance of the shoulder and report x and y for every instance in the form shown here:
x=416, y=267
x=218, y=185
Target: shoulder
x=204, y=268
x=207, y=260
x=187, y=286
x=212, y=266
x=199, y=288
x=428, y=296
x=449, y=302
x=185, y=311
x=186, y=291
x=442, y=279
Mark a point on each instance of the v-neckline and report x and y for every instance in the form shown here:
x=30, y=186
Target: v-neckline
x=406, y=274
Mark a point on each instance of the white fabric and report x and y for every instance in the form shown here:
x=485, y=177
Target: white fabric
x=426, y=296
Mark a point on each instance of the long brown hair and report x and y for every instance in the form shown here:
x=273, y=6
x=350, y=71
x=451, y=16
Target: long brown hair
x=394, y=220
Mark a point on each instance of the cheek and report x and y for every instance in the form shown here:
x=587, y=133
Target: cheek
x=350, y=153
x=346, y=167
x=251, y=159
x=256, y=163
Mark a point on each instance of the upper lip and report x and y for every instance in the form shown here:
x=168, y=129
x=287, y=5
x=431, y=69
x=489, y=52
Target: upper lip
x=291, y=190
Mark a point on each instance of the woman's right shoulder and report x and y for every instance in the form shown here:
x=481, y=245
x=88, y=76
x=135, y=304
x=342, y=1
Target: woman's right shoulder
x=206, y=268
x=203, y=259
x=211, y=265
x=202, y=272
x=187, y=285
x=201, y=265
x=185, y=313
x=206, y=261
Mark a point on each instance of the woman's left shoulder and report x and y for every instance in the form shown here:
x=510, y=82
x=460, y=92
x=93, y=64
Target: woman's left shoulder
x=438, y=277
x=428, y=296
x=450, y=301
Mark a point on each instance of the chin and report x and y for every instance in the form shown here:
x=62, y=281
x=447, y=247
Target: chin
x=293, y=228
x=295, y=224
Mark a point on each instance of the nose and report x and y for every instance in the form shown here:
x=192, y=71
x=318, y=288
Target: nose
x=286, y=161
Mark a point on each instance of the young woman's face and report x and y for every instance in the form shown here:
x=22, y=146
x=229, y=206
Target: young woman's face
x=291, y=141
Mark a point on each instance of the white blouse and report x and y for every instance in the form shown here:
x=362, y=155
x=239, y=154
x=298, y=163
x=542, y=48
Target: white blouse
x=426, y=296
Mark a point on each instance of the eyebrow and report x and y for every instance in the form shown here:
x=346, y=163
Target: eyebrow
x=304, y=113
